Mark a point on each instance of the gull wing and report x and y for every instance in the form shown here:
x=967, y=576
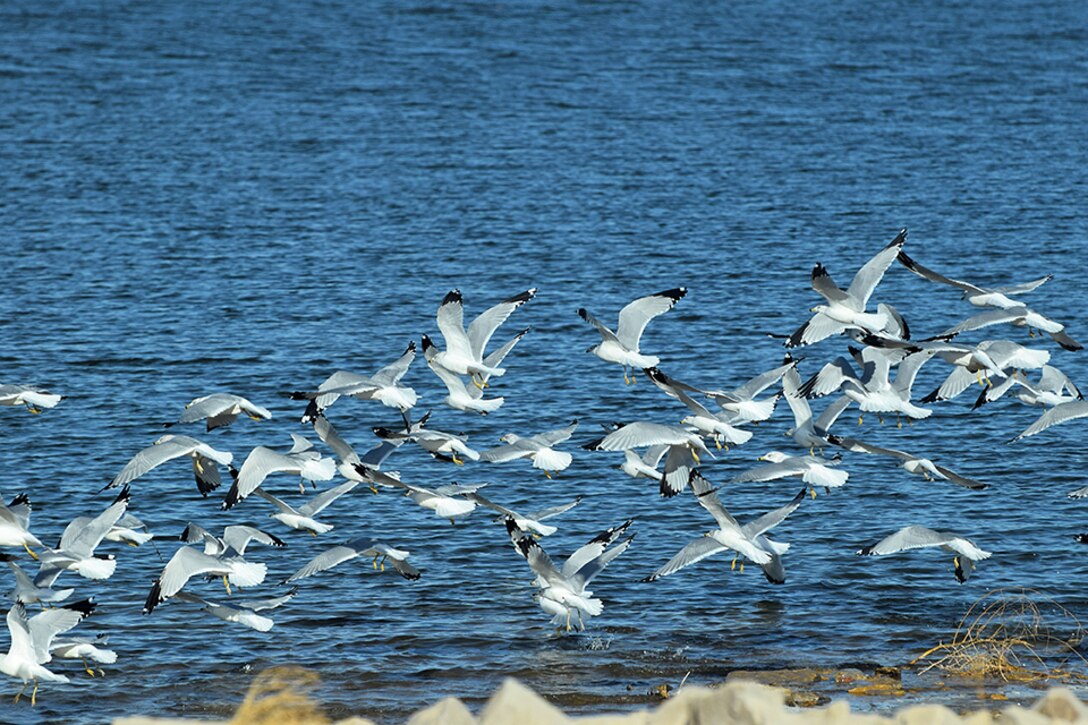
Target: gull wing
x=595, y=566
x=539, y=561
x=1019, y=289
x=260, y=605
x=328, y=435
x=766, y=522
x=451, y=323
x=607, y=334
x=593, y=549
x=707, y=497
x=867, y=278
x=208, y=406
x=259, y=464
x=853, y=444
x=557, y=436
x=554, y=510
x=508, y=452
x=830, y=414
x=986, y=319
x=932, y=276
x=820, y=327
x=85, y=539
x=910, y=537
x=639, y=434
x=959, y=480
x=1058, y=414
x=694, y=552
x=328, y=559
x=239, y=537
x=759, y=383
x=772, y=471
x=45, y=626
x=483, y=327
x=636, y=315
x=152, y=456
x=392, y=373
x=283, y=507
x=376, y=456
x=829, y=379
x=679, y=465
x=482, y=500
x=1055, y=380
x=318, y=503
x=826, y=287
x=908, y=371
x=186, y=563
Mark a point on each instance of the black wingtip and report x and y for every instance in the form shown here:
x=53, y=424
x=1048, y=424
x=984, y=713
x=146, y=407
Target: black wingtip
x=453, y=296
x=522, y=297
x=123, y=496
x=796, y=339
x=312, y=413
x=900, y=239
x=295, y=395
x=676, y=294
x=85, y=607
x=22, y=498
x=427, y=343
x=154, y=598
x=583, y=313
x=933, y=397
x=819, y=271
x=866, y=551
x=411, y=347
x=232, y=498
x=276, y=541
x=1081, y=538
x=593, y=445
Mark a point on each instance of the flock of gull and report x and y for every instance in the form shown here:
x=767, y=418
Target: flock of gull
x=876, y=376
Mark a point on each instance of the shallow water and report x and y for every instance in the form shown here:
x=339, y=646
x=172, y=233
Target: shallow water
x=223, y=196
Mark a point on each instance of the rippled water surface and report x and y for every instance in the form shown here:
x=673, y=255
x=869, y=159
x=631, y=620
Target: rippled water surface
x=247, y=197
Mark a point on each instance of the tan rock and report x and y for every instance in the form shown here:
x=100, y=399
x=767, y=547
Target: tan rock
x=144, y=720
x=982, y=717
x=515, y=704
x=641, y=717
x=927, y=715
x=447, y=711
x=1062, y=705
x=354, y=720
x=1020, y=716
x=680, y=709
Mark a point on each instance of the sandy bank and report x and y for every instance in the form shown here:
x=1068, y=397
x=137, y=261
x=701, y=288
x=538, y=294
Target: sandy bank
x=734, y=703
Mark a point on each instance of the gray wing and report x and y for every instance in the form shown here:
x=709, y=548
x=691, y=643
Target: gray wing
x=694, y=552
x=761, y=382
x=507, y=452
x=539, y=561
x=327, y=433
x=707, y=496
x=392, y=373
x=554, y=510
x=283, y=507
x=186, y=563
x=1058, y=414
x=209, y=406
x=772, y=471
x=867, y=278
x=606, y=334
x=636, y=315
x=908, y=371
x=318, y=503
x=853, y=444
x=639, y=434
x=259, y=605
x=769, y=520
x=679, y=465
x=239, y=537
x=593, y=549
x=911, y=537
x=1055, y=380
x=830, y=414
x=451, y=323
x=84, y=540
x=986, y=319
x=484, y=326
x=595, y=566
x=960, y=480
x=152, y=456
x=557, y=436
x=825, y=286
x=1019, y=289
x=482, y=500
x=829, y=379
x=44, y=627
x=327, y=560
x=259, y=464
x=376, y=456
x=495, y=359
x=932, y=276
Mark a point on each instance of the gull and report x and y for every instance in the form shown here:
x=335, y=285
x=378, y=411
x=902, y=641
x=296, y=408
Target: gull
x=742, y=403
x=808, y=432
x=749, y=540
x=127, y=530
x=27, y=592
x=537, y=448
x=813, y=470
x=447, y=502
x=683, y=452
x=168, y=447
x=645, y=465
x=873, y=392
x=241, y=612
x=919, y=537
x=362, y=469
x=35, y=399
x=463, y=397
x=359, y=547
x=220, y=410
x=15, y=524
x=911, y=463
x=621, y=346
x=563, y=591
x=443, y=446
x=701, y=418
x=1000, y=298
x=77, y=545
x=302, y=518
x=464, y=353
x=188, y=562
x=383, y=386
x=990, y=357
x=1053, y=388
x=846, y=309
x=1058, y=414
x=302, y=460
x=30, y=641
x=84, y=648
x=523, y=524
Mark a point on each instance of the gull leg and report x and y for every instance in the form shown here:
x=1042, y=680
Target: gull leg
x=860, y=418
x=742, y=567
x=457, y=461
x=452, y=522
x=226, y=585
x=898, y=422
x=86, y=667
x=30, y=551
x=34, y=694
x=695, y=455
x=375, y=563
x=20, y=693
x=382, y=565
x=733, y=566
x=812, y=492
x=373, y=489
x=626, y=380
x=568, y=619
x=33, y=408
x=880, y=418
x=812, y=450
x=548, y=474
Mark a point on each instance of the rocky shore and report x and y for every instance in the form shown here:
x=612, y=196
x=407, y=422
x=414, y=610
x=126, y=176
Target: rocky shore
x=736, y=702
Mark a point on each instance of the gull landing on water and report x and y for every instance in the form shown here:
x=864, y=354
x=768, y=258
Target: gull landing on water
x=919, y=537
x=621, y=346
x=31, y=640
x=846, y=309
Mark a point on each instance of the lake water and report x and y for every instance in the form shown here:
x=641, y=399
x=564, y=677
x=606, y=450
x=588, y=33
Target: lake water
x=246, y=197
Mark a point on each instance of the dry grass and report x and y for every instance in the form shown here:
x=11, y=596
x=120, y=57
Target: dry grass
x=279, y=696
x=1018, y=635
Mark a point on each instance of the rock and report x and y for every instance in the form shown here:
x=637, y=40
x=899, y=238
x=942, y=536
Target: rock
x=680, y=709
x=354, y=720
x=806, y=698
x=1062, y=705
x=784, y=678
x=848, y=675
x=927, y=715
x=1020, y=716
x=447, y=711
x=515, y=704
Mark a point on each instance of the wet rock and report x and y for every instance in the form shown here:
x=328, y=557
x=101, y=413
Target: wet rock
x=448, y=711
x=892, y=673
x=850, y=674
x=1062, y=705
x=782, y=678
x=806, y=698
x=515, y=704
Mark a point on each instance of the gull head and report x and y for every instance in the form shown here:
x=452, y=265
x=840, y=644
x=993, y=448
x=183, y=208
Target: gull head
x=773, y=457
x=510, y=438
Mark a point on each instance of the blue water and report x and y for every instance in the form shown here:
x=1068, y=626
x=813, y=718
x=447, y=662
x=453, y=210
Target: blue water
x=247, y=197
